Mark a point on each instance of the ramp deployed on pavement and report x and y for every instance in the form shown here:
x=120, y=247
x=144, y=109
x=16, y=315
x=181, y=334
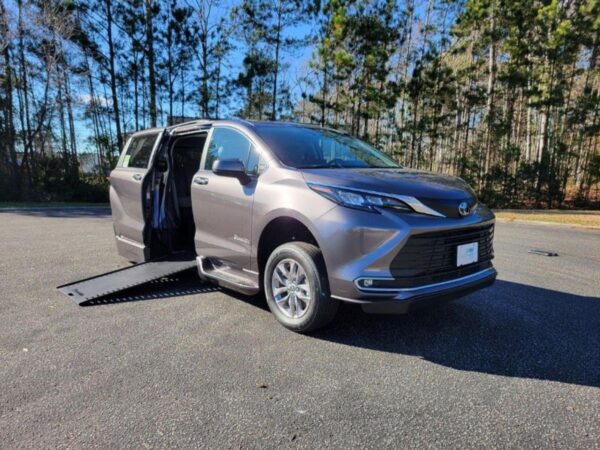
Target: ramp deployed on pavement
x=118, y=280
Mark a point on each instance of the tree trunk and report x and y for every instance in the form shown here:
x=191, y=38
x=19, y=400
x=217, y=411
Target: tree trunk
x=150, y=56
x=276, y=68
x=111, y=69
x=490, y=95
x=136, y=104
x=70, y=122
x=63, y=128
x=182, y=90
x=218, y=88
x=8, y=102
x=94, y=114
x=28, y=141
x=325, y=87
x=170, y=76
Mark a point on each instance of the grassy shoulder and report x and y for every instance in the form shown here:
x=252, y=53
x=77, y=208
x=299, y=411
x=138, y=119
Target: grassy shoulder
x=25, y=205
x=578, y=218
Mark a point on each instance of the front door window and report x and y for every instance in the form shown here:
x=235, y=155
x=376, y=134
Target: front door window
x=227, y=143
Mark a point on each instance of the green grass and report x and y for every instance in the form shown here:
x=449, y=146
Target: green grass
x=13, y=205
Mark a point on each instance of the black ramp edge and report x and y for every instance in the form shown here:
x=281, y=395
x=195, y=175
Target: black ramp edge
x=118, y=280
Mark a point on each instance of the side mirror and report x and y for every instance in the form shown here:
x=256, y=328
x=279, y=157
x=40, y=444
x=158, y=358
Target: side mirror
x=231, y=168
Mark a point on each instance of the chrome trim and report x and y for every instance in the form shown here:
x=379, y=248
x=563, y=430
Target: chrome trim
x=419, y=207
x=130, y=241
x=463, y=209
x=241, y=283
x=413, y=202
x=350, y=300
x=489, y=270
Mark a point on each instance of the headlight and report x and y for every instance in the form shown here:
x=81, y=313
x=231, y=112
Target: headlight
x=359, y=200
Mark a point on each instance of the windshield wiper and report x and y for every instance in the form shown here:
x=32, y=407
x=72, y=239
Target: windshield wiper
x=384, y=167
x=316, y=166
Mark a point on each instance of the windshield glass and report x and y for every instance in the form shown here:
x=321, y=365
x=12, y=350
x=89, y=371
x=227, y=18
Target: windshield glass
x=309, y=148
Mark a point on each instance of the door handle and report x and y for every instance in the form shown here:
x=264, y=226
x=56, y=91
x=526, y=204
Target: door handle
x=201, y=181
x=137, y=177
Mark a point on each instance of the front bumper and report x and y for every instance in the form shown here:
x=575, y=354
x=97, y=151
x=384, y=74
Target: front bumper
x=403, y=300
x=361, y=245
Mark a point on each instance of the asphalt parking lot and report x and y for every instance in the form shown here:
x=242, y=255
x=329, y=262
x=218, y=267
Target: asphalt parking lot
x=516, y=365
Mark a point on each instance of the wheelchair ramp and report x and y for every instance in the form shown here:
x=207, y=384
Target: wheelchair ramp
x=119, y=280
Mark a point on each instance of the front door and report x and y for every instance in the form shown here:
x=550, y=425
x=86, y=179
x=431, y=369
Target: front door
x=128, y=189
x=222, y=206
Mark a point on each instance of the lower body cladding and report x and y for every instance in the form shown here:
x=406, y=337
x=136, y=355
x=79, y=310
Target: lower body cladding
x=394, y=263
x=404, y=300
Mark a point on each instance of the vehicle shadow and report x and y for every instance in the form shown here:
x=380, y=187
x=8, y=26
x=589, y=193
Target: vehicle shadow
x=510, y=329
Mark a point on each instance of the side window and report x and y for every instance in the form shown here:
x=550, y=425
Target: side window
x=226, y=143
x=256, y=163
x=139, y=151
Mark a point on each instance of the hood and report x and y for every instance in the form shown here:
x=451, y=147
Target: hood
x=441, y=192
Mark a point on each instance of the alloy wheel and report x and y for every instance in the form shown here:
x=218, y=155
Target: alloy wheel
x=291, y=288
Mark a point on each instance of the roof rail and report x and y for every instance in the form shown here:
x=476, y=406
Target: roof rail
x=190, y=126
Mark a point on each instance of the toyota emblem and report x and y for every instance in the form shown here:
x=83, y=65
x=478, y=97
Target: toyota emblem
x=463, y=209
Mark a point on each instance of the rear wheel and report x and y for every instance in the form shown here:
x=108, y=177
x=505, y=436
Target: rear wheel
x=297, y=288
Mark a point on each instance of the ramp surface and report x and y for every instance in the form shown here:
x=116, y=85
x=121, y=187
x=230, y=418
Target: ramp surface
x=118, y=280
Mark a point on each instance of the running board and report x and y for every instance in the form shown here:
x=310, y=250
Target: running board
x=245, y=282
x=118, y=280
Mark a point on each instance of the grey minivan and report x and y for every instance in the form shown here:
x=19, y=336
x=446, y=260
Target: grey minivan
x=310, y=216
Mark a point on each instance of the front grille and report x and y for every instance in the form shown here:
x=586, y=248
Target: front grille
x=431, y=257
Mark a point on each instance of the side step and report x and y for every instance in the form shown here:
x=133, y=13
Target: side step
x=118, y=280
x=242, y=281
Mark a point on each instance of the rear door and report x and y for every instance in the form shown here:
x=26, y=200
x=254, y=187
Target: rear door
x=128, y=195
x=222, y=206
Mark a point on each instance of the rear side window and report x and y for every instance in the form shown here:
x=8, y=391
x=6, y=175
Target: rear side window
x=226, y=143
x=139, y=151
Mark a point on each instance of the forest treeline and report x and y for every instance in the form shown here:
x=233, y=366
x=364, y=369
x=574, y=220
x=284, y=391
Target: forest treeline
x=502, y=93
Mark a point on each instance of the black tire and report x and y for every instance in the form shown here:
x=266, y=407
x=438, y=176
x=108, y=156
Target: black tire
x=322, y=308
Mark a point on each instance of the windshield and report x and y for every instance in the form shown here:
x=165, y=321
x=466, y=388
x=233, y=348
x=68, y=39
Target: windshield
x=309, y=148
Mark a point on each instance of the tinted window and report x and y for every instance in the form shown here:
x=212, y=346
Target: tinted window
x=139, y=151
x=308, y=148
x=227, y=143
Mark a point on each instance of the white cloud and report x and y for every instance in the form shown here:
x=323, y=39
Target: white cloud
x=86, y=99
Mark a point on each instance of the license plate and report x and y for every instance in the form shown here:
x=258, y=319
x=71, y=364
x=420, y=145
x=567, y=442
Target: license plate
x=467, y=254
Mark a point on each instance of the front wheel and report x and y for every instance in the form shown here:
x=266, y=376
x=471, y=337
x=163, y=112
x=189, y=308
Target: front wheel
x=297, y=288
